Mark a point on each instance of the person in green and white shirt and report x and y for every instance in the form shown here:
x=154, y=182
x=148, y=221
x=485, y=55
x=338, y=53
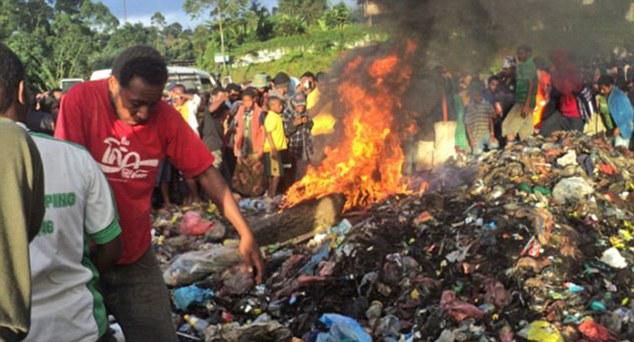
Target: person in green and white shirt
x=79, y=212
x=66, y=305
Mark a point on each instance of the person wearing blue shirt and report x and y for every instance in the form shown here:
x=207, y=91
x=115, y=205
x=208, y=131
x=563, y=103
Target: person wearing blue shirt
x=621, y=110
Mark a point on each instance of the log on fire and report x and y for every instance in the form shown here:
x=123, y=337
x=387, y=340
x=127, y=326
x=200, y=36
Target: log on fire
x=306, y=217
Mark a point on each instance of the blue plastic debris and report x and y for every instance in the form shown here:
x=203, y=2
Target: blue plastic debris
x=342, y=329
x=186, y=296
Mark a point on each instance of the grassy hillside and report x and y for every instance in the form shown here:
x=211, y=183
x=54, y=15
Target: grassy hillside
x=313, y=51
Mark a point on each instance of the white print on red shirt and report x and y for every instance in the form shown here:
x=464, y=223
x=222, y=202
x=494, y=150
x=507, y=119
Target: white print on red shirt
x=118, y=158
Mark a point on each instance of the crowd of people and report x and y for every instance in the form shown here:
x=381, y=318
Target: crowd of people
x=539, y=96
x=259, y=133
x=80, y=203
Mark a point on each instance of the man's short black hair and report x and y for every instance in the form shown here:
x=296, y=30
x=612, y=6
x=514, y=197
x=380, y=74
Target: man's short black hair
x=605, y=80
x=309, y=74
x=525, y=48
x=11, y=74
x=281, y=79
x=234, y=87
x=217, y=90
x=493, y=78
x=140, y=61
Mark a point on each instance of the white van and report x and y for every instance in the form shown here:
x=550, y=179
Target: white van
x=66, y=83
x=191, y=78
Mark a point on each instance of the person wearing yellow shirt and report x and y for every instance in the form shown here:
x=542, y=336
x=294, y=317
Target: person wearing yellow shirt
x=275, y=143
x=186, y=105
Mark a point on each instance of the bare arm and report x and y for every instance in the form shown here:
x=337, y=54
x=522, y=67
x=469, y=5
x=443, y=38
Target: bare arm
x=215, y=186
x=106, y=255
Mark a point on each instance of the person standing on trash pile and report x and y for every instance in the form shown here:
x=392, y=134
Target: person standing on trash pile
x=249, y=142
x=233, y=102
x=187, y=106
x=215, y=116
x=297, y=126
x=127, y=129
x=606, y=123
x=620, y=110
x=564, y=111
x=544, y=87
x=275, y=143
x=21, y=199
x=249, y=139
x=519, y=120
x=479, y=118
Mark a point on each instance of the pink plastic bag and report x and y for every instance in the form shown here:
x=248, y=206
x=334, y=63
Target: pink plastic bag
x=193, y=224
x=458, y=309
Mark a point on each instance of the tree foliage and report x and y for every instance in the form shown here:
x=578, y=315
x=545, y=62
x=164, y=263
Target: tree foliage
x=71, y=38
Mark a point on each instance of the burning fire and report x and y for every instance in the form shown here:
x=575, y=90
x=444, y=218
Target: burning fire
x=366, y=165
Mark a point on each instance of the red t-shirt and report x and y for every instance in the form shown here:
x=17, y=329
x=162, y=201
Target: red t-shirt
x=129, y=155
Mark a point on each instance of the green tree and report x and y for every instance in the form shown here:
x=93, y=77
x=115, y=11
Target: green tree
x=307, y=11
x=337, y=16
x=285, y=25
x=220, y=10
x=158, y=20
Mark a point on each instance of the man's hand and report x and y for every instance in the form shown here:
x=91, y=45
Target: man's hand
x=526, y=110
x=298, y=121
x=215, y=186
x=616, y=132
x=251, y=256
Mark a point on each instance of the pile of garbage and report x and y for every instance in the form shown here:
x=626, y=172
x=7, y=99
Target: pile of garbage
x=534, y=242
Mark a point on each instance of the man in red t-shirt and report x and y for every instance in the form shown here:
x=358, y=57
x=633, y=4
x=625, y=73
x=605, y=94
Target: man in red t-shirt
x=128, y=129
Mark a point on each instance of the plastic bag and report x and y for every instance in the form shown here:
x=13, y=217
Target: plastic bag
x=573, y=189
x=192, y=266
x=194, y=224
x=342, y=329
x=186, y=296
x=542, y=331
x=457, y=309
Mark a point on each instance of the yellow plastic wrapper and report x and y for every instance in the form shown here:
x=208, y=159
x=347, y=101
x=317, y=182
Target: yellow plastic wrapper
x=625, y=235
x=617, y=242
x=542, y=331
x=415, y=295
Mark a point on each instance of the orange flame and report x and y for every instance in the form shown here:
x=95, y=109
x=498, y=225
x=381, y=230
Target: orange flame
x=366, y=166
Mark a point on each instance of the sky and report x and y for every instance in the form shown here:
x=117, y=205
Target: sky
x=142, y=10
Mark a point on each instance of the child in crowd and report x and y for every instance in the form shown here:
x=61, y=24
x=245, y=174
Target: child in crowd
x=275, y=143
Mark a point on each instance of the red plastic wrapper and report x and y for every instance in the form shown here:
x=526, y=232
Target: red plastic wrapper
x=595, y=331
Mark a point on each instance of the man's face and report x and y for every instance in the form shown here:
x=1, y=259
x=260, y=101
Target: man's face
x=522, y=55
x=282, y=89
x=135, y=103
x=57, y=95
x=493, y=85
x=605, y=89
x=300, y=108
x=177, y=97
x=234, y=96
